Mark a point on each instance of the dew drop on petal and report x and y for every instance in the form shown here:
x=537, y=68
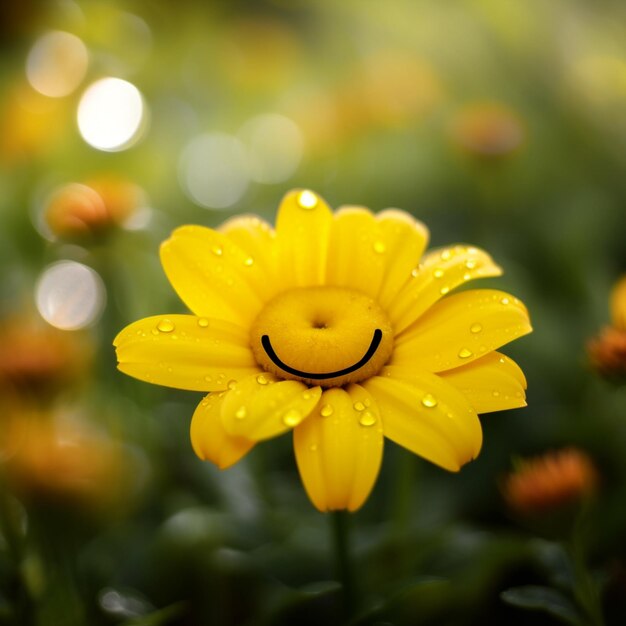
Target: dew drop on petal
x=313, y=447
x=470, y=264
x=326, y=410
x=438, y=273
x=379, y=247
x=231, y=384
x=217, y=250
x=241, y=413
x=496, y=393
x=165, y=326
x=262, y=379
x=415, y=272
x=249, y=261
x=446, y=255
x=359, y=406
x=444, y=290
x=292, y=417
x=467, y=276
x=429, y=401
x=465, y=353
x=367, y=419
x=476, y=328
x=307, y=200
x=505, y=301
x=203, y=322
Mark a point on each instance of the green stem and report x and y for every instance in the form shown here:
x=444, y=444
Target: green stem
x=343, y=563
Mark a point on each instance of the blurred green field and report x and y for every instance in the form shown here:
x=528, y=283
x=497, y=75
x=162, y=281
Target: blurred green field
x=500, y=124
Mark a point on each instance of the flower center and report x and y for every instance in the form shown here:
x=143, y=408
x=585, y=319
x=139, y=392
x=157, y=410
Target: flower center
x=328, y=336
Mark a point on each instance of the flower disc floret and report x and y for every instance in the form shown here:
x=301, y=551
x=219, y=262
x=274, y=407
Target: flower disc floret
x=327, y=336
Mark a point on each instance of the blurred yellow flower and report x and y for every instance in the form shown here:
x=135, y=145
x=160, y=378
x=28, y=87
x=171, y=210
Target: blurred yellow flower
x=547, y=482
x=335, y=327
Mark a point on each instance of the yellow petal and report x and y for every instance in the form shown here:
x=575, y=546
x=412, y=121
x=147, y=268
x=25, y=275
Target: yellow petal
x=356, y=252
x=461, y=328
x=441, y=271
x=491, y=383
x=209, y=439
x=263, y=406
x=426, y=415
x=302, y=227
x=185, y=352
x=339, y=449
x=257, y=238
x=618, y=304
x=209, y=273
x=406, y=239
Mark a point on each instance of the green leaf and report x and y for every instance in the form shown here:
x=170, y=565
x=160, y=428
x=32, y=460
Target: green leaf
x=538, y=598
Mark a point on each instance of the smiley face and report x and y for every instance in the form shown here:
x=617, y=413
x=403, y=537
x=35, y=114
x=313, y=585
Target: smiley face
x=328, y=336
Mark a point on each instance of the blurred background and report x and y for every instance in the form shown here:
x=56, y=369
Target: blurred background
x=501, y=124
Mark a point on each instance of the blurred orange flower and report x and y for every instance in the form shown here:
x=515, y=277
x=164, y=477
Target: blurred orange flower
x=550, y=481
x=37, y=359
x=77, y=210
x=607, y=351
x=488, y=130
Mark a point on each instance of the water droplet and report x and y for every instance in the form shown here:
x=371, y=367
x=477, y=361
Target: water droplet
x=367, y=419
x=208, y=379
x=292, y=417
x=429, y=401
x=379, y=247
x=444, y=290
x=472, y=251
x=326, y=410
x=307, y=200
x=467, y=276
x=306, y=395
x=367, y=402
x=241, y=413
x=217, y=250
x=249, y=261
x=165, y=326
x=203, y=322
x=470, y=264
x=313, y=447
x=502, y=359
x=465, y=353
x=155, y=331
x=359, y=406
x=231, y=384
x=415, y=272
x=262, y=379
x=438, y=273
x=504, y=300
x=476, y=328
x=496, y=393
x=446, y=255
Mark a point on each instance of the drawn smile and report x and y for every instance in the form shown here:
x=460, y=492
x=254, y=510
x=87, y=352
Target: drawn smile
x=376, y=339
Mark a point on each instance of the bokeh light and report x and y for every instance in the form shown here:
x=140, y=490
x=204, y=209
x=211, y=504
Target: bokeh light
x=275, y=147
x=111, y=114
x=57, y=64
x=70, y=295
x=214, y=171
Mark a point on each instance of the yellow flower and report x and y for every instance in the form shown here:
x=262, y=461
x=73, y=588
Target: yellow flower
x=334, y=327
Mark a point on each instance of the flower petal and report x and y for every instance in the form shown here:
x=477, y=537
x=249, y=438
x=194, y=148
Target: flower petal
x=302, y=227
x=185, y=352
x=210, y=275
x=339, y=449
x=263, y=406
x=356, y=251
x=257, y=238
x=406, y=239
x=461, y=328
x=441, y=271
x=209, y=439
x=492, y=383
x=428, y=416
